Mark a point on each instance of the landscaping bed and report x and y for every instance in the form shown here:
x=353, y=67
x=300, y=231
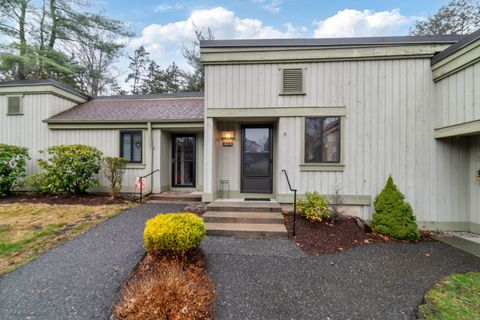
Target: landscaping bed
x=162, y=288
x=171, y=281
x=315, y=238
x=30, y=225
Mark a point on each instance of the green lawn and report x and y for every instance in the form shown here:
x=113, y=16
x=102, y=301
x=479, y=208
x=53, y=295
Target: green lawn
x=29, y=229
x=456, y=297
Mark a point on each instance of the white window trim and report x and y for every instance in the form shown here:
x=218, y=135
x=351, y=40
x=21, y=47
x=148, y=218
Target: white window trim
x=133, y=165
x=323, y=166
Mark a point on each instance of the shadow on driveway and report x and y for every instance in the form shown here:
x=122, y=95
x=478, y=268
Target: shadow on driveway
x=272, y=279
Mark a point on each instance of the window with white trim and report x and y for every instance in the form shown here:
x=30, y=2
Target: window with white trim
x=131, y=146
x=322, y=139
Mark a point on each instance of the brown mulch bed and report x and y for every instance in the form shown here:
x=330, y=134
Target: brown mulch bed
x=68, y=199
x=163, y=288
x=315, y=238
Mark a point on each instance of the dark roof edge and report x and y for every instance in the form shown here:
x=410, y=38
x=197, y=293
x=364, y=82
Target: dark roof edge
x=77, y=121
x=462, y=43
x=60, y=85
x=312, y=42
x=152, y=96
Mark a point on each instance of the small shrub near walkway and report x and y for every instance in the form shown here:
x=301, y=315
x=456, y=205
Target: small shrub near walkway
x=394, y=216
x=13, y=161
x=455, y=297
x=171, y=282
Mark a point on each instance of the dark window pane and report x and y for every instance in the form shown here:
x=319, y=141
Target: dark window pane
x=313, y=139
x=131, y=146
x=322, y=139
x=184, y=161
x=126, y=146
x=256, y=164
x=137, y=147
x=257, y=140
x=331, y=139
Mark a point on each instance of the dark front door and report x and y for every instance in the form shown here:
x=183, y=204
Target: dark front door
x=256, y=159
x=183, y=161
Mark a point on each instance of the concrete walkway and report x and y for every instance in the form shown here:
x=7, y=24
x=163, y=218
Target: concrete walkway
x=272, y=279
x=80, y=279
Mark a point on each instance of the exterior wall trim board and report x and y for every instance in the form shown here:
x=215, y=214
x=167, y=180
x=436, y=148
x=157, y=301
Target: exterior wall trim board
x=275, y=112
x=457, y=61
x=302, y=54
x=44, y=89
x=461, y=129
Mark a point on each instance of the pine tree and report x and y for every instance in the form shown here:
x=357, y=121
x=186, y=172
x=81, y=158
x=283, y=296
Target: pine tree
x=195, y=80
x=138, y=66
x=173, y=78
x=393, y=215
x=153, y=82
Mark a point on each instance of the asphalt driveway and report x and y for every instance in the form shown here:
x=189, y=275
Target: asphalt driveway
x=272, y=279
x=255, y=279
x=80, y=279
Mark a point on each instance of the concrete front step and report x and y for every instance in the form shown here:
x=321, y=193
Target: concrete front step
x=170, y=201
x=188, y=197
x=247, y=230
x=244, y=206
x=244, y=217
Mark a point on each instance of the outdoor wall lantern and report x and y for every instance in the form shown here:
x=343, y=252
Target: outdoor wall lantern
x=227, y=138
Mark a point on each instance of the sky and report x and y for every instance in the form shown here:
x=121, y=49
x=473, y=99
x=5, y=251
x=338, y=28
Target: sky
x=165, y=27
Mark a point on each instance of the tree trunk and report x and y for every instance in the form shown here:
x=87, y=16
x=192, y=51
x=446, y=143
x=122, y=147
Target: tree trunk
x=53, y=32
x=23, y=40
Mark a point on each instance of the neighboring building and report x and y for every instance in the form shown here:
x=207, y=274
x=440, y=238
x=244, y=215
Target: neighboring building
x=143, y=129
x=345, y=112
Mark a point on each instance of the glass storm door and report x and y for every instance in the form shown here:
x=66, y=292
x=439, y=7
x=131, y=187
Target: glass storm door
x=256, y=159
x=183, y=162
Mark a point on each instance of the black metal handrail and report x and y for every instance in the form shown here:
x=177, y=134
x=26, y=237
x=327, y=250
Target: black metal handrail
x=294, y=201
x=141, y=183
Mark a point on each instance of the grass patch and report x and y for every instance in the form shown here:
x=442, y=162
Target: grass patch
x=454, y=297
x=29, y=229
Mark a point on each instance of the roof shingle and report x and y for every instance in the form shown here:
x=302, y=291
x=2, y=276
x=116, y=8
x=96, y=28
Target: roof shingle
x=140, y=108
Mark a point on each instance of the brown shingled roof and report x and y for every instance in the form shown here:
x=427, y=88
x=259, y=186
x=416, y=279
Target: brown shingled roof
x=164, y=107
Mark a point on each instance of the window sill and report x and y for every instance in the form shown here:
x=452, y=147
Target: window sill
x=14, y=114
x=322, y=167
x=136, y=166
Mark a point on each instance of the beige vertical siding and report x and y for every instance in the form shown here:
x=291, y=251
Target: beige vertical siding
x=458, y=96
x=165, y=163
x=474, y=184
x=28, y=130
x=389, y=127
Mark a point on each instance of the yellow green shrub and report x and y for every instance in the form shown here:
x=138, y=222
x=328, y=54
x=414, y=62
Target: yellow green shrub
x=173, y=233
x=314, y=207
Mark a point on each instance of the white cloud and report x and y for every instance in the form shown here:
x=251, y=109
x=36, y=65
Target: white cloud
x=167, y=7
x=273, y=6
x=165, y=40
x=356, y=23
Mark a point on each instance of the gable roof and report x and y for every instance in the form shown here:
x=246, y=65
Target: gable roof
x=30, y=83
x=136, y=108
x=319, y=42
